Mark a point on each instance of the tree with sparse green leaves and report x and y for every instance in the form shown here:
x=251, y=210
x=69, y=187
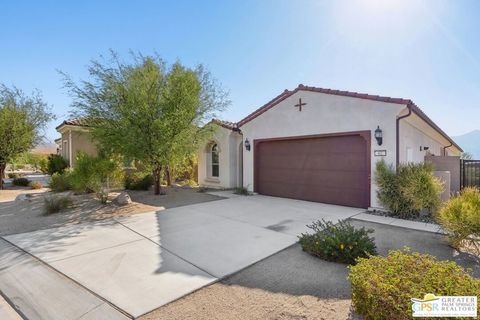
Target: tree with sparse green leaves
x=22, y=120
x=147, y=110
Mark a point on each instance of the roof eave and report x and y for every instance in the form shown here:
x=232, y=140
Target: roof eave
x=424, y=117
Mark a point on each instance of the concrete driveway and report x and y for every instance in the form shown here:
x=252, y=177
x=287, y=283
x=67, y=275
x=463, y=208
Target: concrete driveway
x=142, y=262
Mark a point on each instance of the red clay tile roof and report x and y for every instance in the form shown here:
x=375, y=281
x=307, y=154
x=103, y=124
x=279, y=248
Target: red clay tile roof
x=226, y=124
x=78, y=122
x=287, y=93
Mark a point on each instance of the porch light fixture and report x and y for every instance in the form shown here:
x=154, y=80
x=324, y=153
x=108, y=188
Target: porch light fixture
x=379, y=135
x=247, y=144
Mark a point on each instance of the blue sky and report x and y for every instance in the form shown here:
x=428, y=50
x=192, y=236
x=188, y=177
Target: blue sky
x=428, y=51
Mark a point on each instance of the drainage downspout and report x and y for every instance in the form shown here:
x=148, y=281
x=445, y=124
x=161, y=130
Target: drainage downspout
x=409, y=106
x=445, y=148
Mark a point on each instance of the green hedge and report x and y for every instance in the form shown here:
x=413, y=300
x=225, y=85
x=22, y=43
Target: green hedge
x=409, y=189
x=383, y=286
x=56, y=164
x=138, y=181
x=22, y=182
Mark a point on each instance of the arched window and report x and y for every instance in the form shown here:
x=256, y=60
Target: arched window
x=215, y=162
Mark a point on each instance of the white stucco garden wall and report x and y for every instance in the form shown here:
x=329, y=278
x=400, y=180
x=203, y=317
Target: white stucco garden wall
x=324, y=114
x=228, y=142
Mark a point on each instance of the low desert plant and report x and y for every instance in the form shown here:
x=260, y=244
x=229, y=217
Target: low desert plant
x=409, y=189
x=460, y=217
x=56, y=164
x=12, y=175
x=21, y=182
x=339, y=242
x=36, y=185
x=242, y=191
x=383, y=286
x=60, y=182
x=54, y=204
x=138, y=181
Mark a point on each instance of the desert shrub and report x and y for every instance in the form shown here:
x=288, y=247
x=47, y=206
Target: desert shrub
x=36, y=185
x=54, y=204
x=339, y=242
x=138, y=181
x=97, y=174
x=242, y=191
x=43, y=164
x=56, y=164
x=184, y=169
x=22, y=182
x=383, y=286
x=408, y=190
x=460, y=216
x=60, y=182
x=12, y=175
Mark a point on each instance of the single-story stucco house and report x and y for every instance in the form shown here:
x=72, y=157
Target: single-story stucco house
x=75, y=138
x=320, y=145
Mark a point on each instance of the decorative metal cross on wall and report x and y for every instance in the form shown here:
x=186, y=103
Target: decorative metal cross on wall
x=300, y=104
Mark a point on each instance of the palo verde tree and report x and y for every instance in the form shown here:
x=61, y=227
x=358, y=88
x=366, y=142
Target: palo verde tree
x=22, y=120
x=147, y=110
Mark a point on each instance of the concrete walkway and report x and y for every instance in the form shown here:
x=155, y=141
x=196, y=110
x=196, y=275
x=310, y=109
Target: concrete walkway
x=7, y=312
x=142, y=262
x=408, y=224
x=39, y=292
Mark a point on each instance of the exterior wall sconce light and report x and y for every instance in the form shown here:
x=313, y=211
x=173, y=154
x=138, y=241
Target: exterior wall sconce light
x=424, y=148
x=379, y=135
x=247, y=144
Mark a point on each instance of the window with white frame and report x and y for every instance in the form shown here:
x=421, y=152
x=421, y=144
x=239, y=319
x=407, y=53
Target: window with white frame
x=215, y=161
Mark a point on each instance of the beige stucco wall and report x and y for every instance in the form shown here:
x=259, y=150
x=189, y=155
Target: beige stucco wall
x=415, y=133
x=75, y=141
x=324, y=114
x=229, y=169
x=450, y=164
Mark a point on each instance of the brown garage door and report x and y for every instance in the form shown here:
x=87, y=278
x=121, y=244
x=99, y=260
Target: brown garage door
x=329, y=169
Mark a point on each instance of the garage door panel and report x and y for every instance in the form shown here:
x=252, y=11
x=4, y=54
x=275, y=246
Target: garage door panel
x=310, y=193
x=324, y=169
x=314, y=161
x=328, y=178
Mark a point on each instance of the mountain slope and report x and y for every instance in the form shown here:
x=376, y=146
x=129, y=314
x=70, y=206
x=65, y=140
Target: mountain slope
x=470, y=142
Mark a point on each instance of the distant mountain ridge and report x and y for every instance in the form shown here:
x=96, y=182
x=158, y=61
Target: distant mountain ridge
x=45, y=148
x=470, y=142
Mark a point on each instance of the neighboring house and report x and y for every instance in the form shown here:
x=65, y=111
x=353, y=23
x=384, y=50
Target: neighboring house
x=75, y=138
x=320, y=145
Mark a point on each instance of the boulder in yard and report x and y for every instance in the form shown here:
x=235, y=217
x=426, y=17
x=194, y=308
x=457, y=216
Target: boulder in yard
x=123, y=199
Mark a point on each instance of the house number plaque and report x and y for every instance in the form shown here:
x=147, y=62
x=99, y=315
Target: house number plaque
x=380, y=153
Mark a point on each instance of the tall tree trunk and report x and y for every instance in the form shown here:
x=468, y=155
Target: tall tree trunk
x=157, y=172
x=2, y=174
x=169, y=177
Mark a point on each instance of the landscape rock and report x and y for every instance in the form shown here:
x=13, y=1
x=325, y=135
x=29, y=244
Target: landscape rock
x=123, y=199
